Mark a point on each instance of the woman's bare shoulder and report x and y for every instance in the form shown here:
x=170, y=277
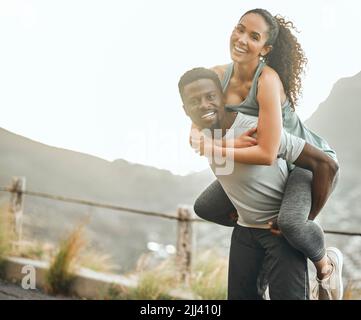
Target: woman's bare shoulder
x=269, y=74
x=269, y=78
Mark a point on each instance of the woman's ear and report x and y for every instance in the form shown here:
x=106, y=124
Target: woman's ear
x=266, y=50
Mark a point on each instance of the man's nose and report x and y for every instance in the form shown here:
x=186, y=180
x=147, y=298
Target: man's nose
x=205, y=104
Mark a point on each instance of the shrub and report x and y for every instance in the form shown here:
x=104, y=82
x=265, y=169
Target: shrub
x=60, y=274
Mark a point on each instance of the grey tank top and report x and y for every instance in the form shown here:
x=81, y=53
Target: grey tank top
x=291, y=122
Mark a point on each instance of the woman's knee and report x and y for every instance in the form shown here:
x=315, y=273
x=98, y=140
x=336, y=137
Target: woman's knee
x=213, y=205
x=200, y=207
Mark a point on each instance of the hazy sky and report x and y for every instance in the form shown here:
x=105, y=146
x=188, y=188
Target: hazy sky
x=101, y=77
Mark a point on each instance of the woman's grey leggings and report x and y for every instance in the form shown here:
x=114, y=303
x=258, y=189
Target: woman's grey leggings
x=303, y=234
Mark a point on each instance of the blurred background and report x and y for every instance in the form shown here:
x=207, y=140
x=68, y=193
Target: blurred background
x=90, y=110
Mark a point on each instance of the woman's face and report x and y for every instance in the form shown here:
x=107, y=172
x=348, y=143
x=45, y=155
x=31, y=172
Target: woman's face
x=248, y=39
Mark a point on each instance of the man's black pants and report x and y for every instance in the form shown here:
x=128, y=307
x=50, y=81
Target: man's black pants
x=257, y=259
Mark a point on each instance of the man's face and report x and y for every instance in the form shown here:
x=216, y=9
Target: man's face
x=204, y=104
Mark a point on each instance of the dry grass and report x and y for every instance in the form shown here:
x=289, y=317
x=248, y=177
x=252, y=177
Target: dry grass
x=154, y=282
x=33, y=250
x=87, y=258
x=96, y=261
x=7, y=236
x=4, y=230
x=209, y=278
x=60, y=273
x=70, y=254
x=208, y=281
x=353, y=290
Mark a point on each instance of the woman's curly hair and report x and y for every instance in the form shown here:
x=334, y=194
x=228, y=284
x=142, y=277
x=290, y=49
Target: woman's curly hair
x=287, y=57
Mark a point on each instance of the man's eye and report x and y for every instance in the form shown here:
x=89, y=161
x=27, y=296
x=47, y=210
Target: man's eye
x=211, y=96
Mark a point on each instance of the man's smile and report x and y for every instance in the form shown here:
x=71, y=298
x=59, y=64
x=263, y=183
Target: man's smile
x=209, y=114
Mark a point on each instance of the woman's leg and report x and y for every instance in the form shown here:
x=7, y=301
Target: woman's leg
x=306, y=235
x=214, y=205
x=303, y=234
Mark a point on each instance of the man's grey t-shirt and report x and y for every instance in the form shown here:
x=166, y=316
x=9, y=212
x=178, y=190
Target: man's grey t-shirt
x=256, y=191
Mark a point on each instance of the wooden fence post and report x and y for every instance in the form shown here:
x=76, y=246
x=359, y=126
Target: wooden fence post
x=184, y=245
x=17, y=204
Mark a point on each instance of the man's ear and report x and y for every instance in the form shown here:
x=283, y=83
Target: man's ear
x=185, y=110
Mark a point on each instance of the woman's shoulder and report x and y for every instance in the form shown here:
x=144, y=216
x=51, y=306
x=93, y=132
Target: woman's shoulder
x=269, y=74
x=269, y=78
x=220, y=70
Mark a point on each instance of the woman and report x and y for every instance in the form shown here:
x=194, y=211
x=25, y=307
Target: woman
x=264, y=80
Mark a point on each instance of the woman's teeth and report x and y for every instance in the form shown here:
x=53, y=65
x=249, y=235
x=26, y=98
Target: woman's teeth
x=239, y=49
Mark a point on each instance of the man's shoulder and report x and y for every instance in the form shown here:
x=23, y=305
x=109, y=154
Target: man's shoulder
x=246, y=121
x=241, y=124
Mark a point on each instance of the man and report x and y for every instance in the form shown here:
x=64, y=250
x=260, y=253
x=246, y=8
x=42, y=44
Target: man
x=256, y=256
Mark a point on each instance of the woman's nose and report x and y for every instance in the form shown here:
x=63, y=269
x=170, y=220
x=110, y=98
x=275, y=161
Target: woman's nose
x=242, y=39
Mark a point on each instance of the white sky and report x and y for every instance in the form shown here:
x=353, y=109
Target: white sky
x=100, y=77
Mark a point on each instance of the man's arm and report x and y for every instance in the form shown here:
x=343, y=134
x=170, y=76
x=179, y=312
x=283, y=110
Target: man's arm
x=323, y=167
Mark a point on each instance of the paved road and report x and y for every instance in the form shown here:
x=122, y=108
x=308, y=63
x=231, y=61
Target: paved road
x=9, y=291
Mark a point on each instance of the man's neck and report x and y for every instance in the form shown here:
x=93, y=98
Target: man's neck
x=227, y=121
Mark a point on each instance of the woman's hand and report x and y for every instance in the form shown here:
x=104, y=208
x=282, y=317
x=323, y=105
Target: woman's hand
x=203, y=144
x=243, y=141
x=200, y=142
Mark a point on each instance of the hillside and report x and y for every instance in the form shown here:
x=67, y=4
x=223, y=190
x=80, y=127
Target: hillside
x=73, y=174
x=338, y=120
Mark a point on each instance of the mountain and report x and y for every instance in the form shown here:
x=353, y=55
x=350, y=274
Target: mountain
x=79, y=175
x=338, y=120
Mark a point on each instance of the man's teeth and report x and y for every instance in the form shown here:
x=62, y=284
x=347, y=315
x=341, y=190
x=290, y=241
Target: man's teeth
x=209, y=114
